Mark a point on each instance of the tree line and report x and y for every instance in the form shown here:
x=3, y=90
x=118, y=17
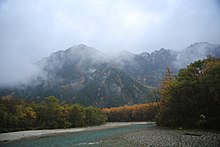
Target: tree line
x=139, y=112
x=192, y=97
x=17, y=114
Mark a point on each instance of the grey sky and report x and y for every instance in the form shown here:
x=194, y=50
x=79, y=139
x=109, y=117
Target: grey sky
x=32, y=29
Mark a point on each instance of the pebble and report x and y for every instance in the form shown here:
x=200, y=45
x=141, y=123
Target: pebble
x=161, y=137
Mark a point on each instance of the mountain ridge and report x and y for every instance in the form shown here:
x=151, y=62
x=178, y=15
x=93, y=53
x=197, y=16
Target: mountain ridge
x=87, y=76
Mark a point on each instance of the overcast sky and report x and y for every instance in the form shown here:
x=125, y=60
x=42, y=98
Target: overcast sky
x=32, y=29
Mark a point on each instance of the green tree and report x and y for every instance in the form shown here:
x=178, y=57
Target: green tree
x=26, y=116
x=77, y=116
x=194, y=96
x=8, y=120
x=94, y=116
x=49, y=112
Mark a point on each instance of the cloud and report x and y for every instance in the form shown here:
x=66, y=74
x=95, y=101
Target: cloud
x=31, y=30
x=16, y=70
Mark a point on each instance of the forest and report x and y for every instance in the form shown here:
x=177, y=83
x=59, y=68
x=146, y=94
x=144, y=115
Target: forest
x=191, y=99
x=16, y=114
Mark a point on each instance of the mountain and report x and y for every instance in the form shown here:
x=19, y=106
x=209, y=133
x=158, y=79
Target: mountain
x=87, y=76
x=196, y=51
x=69, y=65
x=83, y=75
x=110, y=86
x=147, y=68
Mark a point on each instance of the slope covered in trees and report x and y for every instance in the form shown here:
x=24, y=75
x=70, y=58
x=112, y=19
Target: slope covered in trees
x=192, y=98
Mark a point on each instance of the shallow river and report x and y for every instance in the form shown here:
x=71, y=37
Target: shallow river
x=106, y=137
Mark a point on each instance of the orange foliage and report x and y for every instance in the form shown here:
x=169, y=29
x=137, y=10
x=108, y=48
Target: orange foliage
x=138, y=112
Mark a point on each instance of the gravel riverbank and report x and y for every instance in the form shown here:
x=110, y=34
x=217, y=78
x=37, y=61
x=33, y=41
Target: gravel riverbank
x=161, y=137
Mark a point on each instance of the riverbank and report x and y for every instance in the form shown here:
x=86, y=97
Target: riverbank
x=12, y=136
x=156, y=136
x=117, y=134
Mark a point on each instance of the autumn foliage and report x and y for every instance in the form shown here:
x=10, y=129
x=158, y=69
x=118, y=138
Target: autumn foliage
x=139, y=112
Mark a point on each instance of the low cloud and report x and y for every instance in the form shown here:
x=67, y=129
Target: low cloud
x=31, y=30
x=17, y=71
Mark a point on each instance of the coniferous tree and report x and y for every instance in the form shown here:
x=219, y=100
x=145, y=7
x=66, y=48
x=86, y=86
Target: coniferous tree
x=193, y=96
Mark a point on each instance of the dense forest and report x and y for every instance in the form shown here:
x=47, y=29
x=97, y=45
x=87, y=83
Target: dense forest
x=50, y=113
x=17, y=114
x=192, y=98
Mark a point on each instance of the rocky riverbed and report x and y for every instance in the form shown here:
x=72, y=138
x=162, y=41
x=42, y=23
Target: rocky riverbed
x=161, y=137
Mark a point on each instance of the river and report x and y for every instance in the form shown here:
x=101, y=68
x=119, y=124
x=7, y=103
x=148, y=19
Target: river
x=104, y=137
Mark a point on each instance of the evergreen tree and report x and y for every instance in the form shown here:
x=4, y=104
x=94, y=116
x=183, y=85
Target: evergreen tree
x=193, y=96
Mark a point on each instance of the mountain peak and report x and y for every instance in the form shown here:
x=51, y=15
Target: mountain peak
x=79, y=46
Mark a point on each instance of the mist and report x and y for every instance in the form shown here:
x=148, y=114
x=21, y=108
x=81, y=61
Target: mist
x=31, y=30
x=17, y=70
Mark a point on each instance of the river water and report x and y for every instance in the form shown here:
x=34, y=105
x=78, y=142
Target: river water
x=106, y=137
